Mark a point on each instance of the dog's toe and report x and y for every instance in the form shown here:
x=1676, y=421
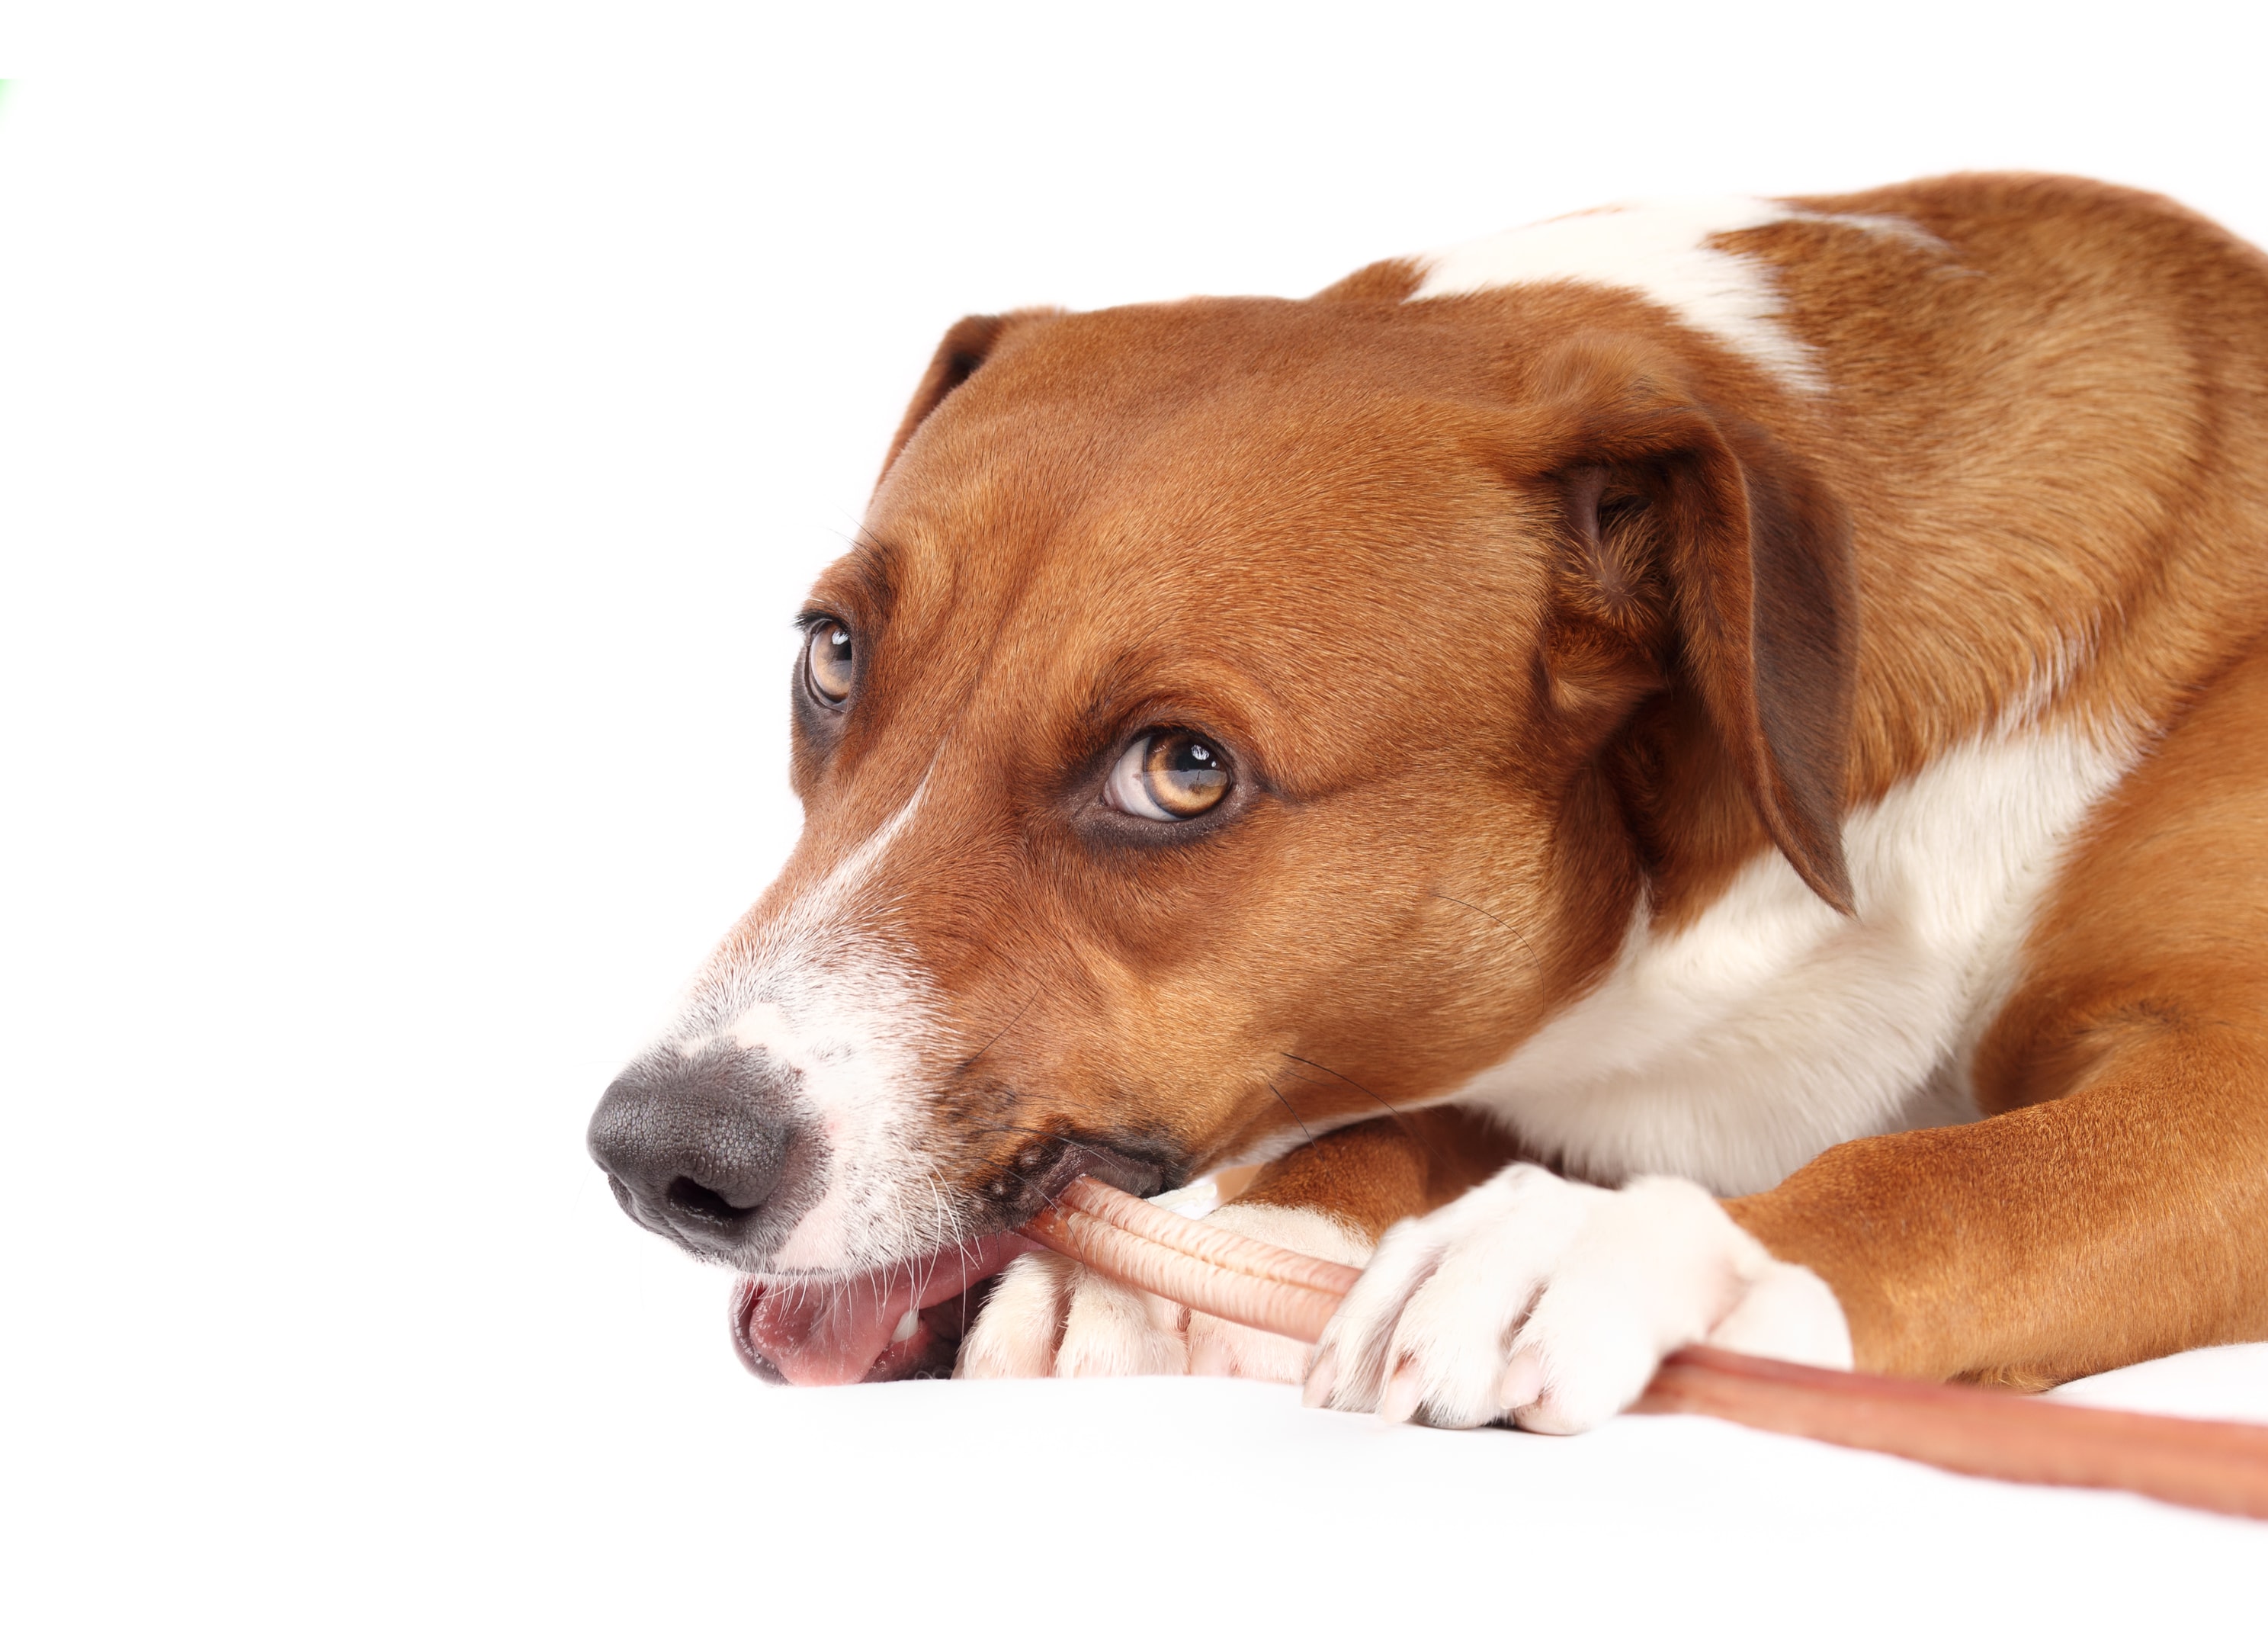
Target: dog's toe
x=1552, y=1303
x=1112, y=1330
x=1050, y=1317
x=1016, y=1335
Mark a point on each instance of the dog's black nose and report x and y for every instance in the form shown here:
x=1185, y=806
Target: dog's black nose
x=694, y=1145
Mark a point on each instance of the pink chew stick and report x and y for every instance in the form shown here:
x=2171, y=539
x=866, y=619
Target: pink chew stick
x=2209, y=1465
x=1193, y=1263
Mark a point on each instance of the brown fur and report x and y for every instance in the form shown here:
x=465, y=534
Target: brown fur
x=1512, y=606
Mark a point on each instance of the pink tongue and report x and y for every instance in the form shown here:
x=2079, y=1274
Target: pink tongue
x=835, y=1332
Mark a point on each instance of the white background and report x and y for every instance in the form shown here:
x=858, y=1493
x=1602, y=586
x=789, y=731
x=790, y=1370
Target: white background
x=415, y=433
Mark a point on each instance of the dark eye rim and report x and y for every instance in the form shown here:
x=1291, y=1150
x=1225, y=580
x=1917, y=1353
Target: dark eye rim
x=811, y=623
x=1107, y=829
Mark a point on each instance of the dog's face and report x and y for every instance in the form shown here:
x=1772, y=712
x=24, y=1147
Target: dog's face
x=1199, y=750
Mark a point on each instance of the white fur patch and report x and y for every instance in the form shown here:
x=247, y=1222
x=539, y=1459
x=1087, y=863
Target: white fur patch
x=1022, y=1321
x=1737, y=1049
x=1048, y=1316
x=1663, y=251
x=819, y=990
x=1552, y=1303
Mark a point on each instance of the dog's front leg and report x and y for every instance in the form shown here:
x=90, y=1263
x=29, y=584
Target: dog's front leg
x=2125, y=1220
x=1330, y=1199
x=2114, y=1205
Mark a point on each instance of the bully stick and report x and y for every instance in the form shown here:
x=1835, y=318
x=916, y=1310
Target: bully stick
x=2222, y=1466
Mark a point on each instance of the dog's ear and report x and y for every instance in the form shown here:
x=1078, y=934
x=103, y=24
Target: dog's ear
x=968, y=344
x=1751, y=556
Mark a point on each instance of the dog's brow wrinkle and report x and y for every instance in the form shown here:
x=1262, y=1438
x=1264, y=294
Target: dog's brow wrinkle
x=871, y=565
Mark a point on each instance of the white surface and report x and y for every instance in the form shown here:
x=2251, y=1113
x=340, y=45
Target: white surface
x=411, y=453
x=2227, y=1381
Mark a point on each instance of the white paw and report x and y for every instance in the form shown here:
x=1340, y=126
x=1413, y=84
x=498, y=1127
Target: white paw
x=1048, y=1315
x=1552, y=1303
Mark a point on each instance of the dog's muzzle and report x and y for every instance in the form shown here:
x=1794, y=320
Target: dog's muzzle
x=698, y=1147
x=713, y=1149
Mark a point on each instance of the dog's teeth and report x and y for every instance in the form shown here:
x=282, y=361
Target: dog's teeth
x=906, y=1323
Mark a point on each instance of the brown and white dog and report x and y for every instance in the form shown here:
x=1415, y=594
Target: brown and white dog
x=1691, y=772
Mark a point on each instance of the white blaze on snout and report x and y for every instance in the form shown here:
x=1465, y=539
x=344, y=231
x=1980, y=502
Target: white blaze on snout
x=822, y=990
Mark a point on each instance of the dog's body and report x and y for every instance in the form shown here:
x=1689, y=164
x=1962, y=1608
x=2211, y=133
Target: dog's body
x=1771, y=696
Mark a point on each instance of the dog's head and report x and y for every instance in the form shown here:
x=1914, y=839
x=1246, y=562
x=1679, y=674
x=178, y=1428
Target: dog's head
x=1236, y=718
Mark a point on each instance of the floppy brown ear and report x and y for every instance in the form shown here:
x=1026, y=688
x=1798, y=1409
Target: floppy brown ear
x=968, y=342
x=1763, y=588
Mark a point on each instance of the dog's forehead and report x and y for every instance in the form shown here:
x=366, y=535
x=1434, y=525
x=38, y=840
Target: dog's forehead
x=1143, y=360
x=1217, y=467
x=1194, y=401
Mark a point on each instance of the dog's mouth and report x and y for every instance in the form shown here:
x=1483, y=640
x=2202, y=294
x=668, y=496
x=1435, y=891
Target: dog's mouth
x=905, y=1322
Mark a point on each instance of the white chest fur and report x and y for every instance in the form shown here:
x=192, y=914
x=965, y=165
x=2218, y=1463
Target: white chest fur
x=1737, y=1048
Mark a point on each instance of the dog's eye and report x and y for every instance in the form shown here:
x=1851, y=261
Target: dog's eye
x=827, y=660
x=1167, y=775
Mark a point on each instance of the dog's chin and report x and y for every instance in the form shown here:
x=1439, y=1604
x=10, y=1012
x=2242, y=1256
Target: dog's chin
x=906, y=1321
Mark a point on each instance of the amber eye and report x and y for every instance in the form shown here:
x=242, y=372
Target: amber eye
x=828, y=661
x=1167, y=775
